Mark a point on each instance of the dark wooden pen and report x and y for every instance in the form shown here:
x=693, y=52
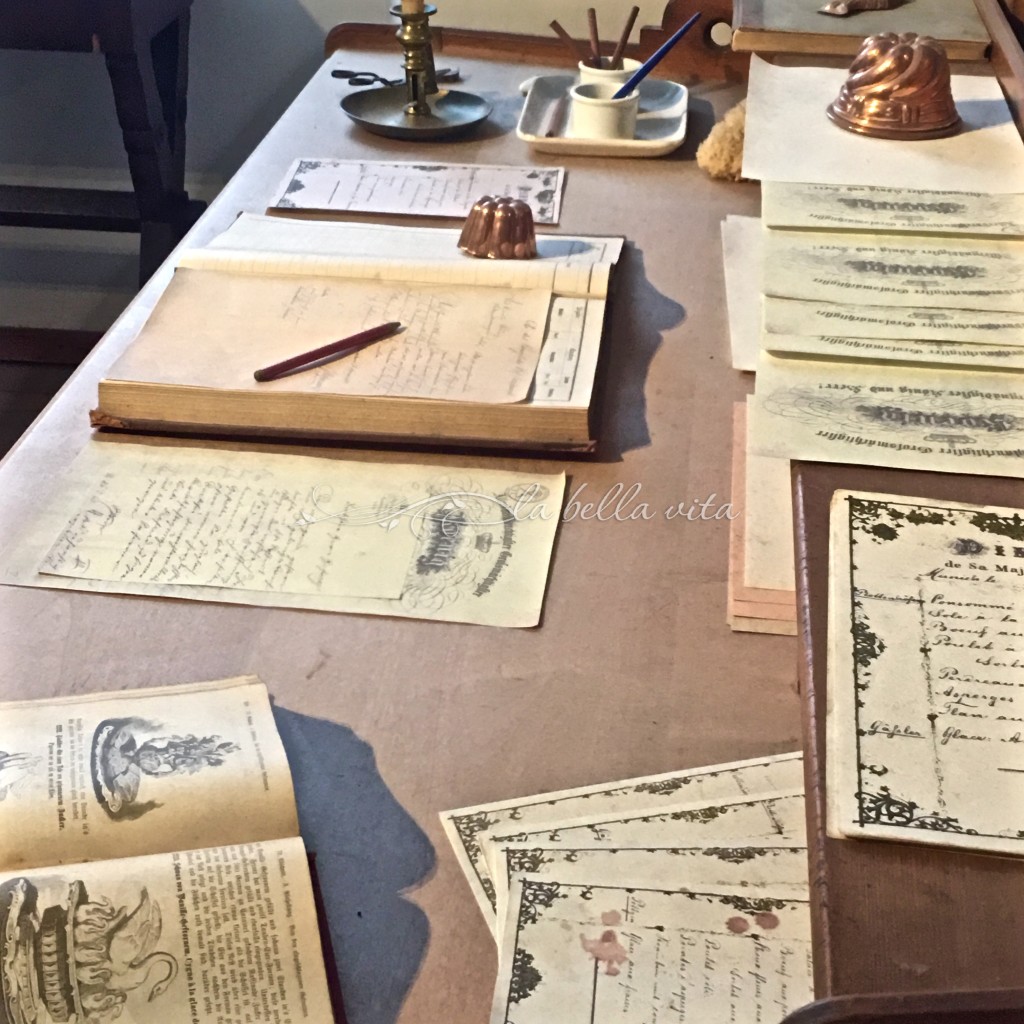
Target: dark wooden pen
x=335, y=348
x=574, y=48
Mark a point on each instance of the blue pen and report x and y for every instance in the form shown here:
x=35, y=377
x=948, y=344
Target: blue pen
x=654, y=60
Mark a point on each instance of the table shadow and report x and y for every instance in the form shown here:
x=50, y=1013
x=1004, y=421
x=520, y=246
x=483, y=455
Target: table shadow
x=631, y=341
x=700, y=119
x=368, y=851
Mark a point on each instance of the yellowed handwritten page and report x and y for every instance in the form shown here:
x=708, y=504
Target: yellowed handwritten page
x=212, y=329
x=605, y=953
x=188, y=520
x=758, y=866
x=465, y=545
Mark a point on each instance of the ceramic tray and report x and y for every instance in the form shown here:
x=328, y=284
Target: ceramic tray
x=660, y=124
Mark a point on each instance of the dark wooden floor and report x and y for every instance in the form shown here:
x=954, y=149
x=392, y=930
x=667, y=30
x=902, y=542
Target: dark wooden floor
x=33, y=366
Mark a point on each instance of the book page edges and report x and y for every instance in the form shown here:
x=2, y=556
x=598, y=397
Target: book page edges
x=565, y=279
x=136, y=405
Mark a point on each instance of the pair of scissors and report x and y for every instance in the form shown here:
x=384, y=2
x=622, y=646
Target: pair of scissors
x=372, y=78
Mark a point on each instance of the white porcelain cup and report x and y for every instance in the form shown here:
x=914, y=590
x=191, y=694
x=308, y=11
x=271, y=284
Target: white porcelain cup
x=595, y=115
x=619, y=75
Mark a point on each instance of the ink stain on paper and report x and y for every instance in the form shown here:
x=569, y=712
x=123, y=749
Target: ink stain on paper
x=611, y=917
x=606, y=950
x=767, y=920
x=737, y=925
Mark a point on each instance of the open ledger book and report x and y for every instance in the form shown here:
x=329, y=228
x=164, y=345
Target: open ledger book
x=150, y=864
x=494, y=353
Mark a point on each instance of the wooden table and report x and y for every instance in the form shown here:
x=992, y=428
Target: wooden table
x=633, y=670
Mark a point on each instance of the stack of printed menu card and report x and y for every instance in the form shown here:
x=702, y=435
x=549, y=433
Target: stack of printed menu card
x=893, y=280
x=681, y=895
x=891, y=283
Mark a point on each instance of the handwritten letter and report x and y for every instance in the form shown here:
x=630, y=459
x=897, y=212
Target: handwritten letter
x=182, y=522
x=460, y=343
x=926, y=692
x=431, y=541
x=426, y=190
x=469, y=828
x=605, y=953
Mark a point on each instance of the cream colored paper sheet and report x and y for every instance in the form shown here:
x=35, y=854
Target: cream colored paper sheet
x=141, y=771
x=930, y=353
x=738, y=862
x=576, y=952
x=786, y=204
x=742, y=259
x=956, y=421
x=925, y=710
x=189, y=519
x=460, y=343
x=227, y=934
x=901, y=270
x=789, y=138
x=773, y=820
x=295, y=531
x=570, y=265
x=906, y=323
x=465, y=826
x=420, y=189
x=768, y=558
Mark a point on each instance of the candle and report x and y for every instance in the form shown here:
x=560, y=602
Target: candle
x=412, y=6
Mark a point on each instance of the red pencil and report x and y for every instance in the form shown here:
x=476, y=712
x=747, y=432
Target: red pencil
x=335, y=348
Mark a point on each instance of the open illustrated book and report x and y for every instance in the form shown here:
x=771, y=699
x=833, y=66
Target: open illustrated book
x=494, y=353
x=150, y=865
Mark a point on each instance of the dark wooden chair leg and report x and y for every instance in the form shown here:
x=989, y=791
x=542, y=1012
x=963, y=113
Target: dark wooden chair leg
x=149, y=84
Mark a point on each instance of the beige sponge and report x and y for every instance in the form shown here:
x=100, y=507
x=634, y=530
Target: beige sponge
x=721, y=153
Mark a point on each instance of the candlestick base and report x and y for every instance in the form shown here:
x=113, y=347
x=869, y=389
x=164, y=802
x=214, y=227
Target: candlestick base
x=383, y=112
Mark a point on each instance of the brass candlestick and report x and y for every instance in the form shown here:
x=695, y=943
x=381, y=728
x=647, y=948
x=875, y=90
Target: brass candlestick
x=420, y=77
x=417, y=109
